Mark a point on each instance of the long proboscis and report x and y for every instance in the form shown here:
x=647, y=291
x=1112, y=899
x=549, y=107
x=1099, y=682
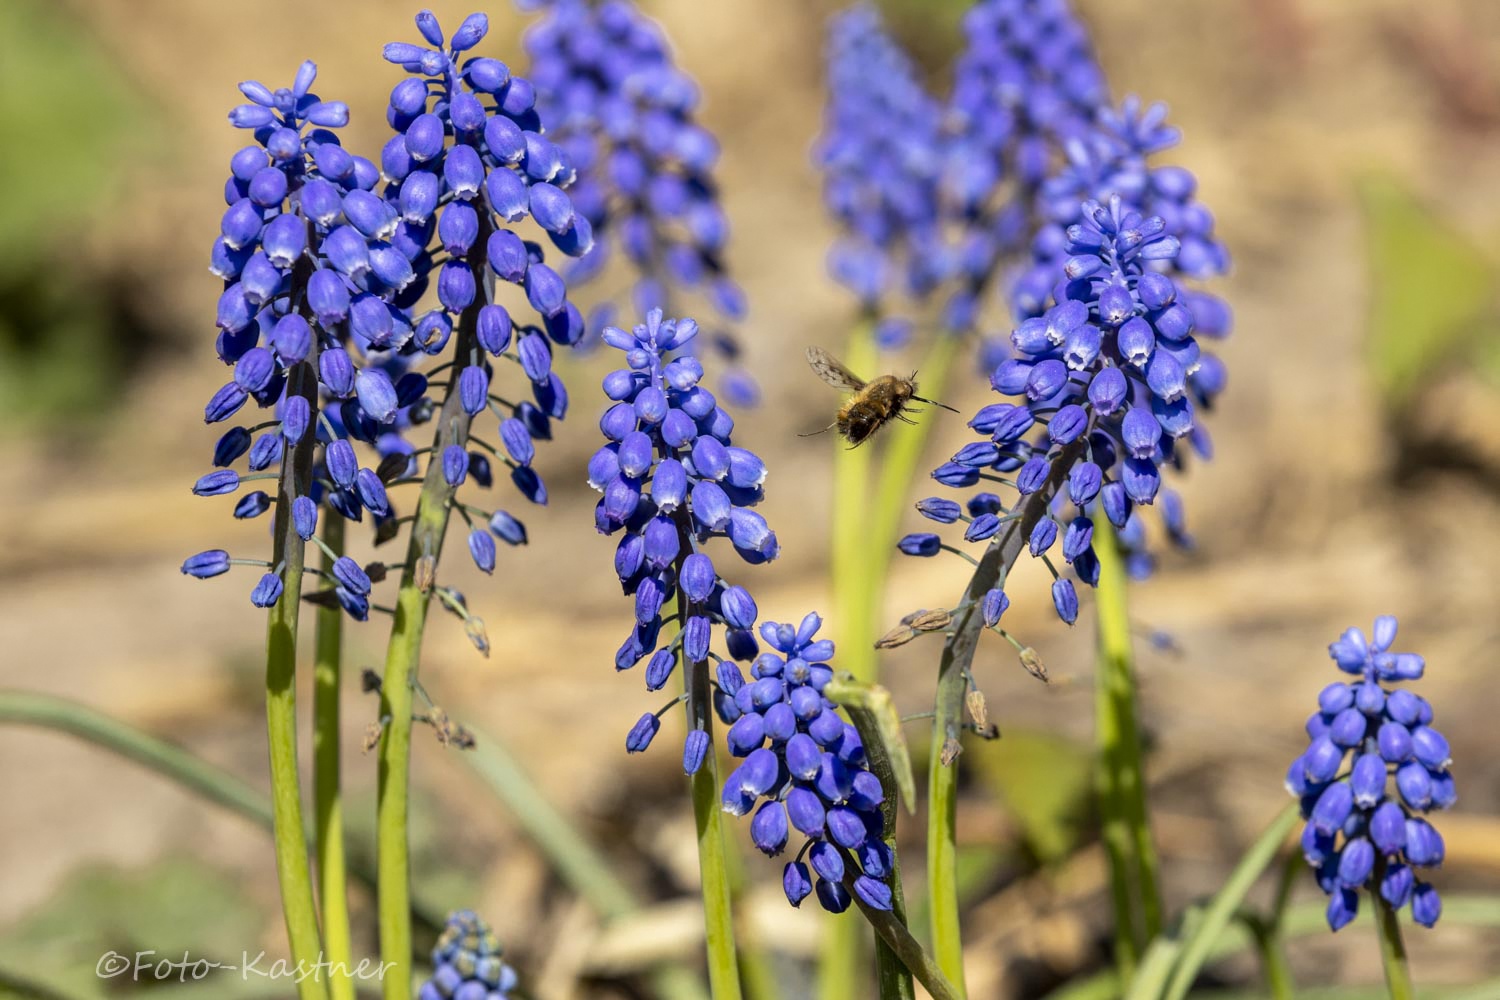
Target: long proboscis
x=924, y=399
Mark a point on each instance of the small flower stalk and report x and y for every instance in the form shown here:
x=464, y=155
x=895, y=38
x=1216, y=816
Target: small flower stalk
x=1373, y=771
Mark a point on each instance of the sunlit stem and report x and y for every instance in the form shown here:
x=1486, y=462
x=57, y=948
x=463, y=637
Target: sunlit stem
x=1128, y=843
x=428, y=529
x=327, y=797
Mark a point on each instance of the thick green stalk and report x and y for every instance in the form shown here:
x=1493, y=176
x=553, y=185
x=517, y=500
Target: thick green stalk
x=841, y=972
x=1119, y=772
x=428, y=529
x=290, y=834
x=947, y=722
x=708, y=817
x=333, y=890
x=1392, y=948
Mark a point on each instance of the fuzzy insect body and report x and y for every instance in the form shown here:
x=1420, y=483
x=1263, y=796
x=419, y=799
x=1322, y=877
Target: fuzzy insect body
x=872, y=404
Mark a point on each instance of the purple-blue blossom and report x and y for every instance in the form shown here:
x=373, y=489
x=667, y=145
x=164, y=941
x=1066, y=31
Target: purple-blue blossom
x=1104, y=394
x=1374, y=769
x=1026, y=84
x=467, y=962
x=672, y=480
x=881, y=158
x=342, y=278
x=809, y=766
x=627, y=116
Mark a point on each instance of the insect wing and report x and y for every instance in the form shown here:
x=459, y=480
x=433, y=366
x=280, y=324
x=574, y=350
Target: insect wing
x=831, y=370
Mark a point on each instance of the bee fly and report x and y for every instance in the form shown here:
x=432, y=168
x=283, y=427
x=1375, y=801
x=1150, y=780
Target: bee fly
x=872, y=405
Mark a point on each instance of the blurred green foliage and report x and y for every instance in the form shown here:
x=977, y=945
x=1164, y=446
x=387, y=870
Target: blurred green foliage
x=1044, y=781
x=1431, y=303
x=173, y=907
x=71, y=127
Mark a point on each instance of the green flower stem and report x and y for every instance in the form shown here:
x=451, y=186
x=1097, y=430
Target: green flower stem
x=708, y=817
x=1126, y=830
x=575, y=860
x=841, y=968
x=1392, y=947
x=333, y=891
x=290, y=834
x=947, y=720
x=864, y=536
x=428, y=529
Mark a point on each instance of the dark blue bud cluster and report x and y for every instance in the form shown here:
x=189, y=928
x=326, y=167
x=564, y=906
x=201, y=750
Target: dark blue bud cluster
x=881, y=158
x=466, y=963
x=672, y=479
x=1365, y=738
x=1108, y=381
x=810, y=767
x=611, y=91
x=342, y=277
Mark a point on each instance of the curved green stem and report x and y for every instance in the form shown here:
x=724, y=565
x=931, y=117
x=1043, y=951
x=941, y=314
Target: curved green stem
x=894, y=934
x=328, y=807
x=290, y=834
x=429, y=526
x=947, y=719
x=1392, y=948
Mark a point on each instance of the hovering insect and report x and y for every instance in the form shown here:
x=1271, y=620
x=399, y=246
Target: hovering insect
x=872, y=405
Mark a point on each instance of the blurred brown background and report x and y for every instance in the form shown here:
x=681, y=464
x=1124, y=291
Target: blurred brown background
x=1356, y=474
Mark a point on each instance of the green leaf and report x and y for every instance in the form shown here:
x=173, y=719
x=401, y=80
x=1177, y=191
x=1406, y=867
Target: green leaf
x=1044, y=781
x=1198, y=940
x=874, y=714
x=1430, y=290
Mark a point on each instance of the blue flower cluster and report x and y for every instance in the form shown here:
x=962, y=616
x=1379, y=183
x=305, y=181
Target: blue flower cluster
x=1026, y=84
x=881, y=157
x=1107, y=381
x=672, y=479
x=608, y=86
x=809, y=765
x=466, y=963
x=1110, y=158
x=330, y=280
x=1359, y=832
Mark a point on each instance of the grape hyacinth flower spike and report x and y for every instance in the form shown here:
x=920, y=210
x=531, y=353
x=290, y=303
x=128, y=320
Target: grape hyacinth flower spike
x=810, y=767
x=671, y=481
x=880, y=159
x=627, y=115
x=466, y=963
x=1374, y=769
x=1105, y=385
